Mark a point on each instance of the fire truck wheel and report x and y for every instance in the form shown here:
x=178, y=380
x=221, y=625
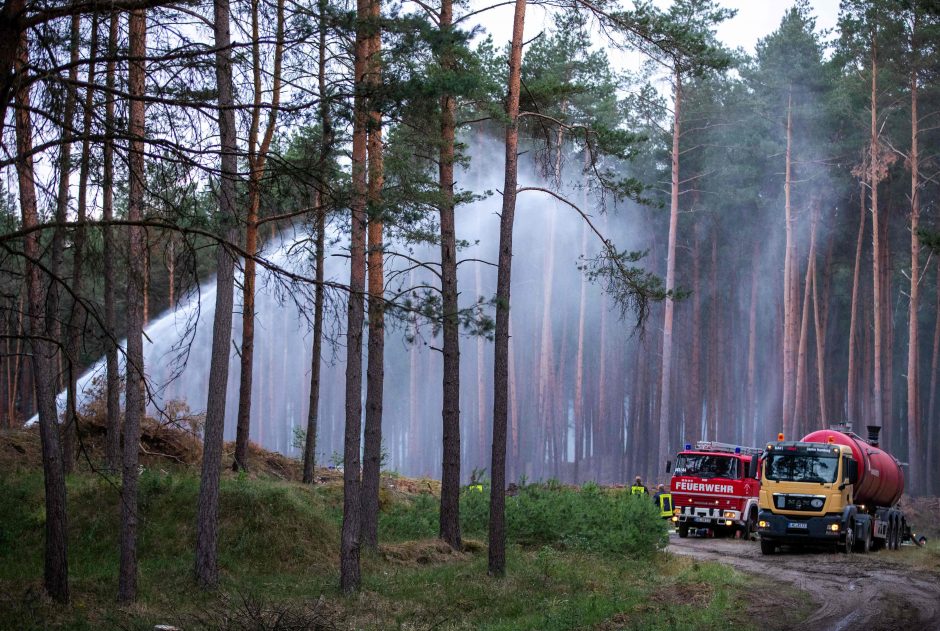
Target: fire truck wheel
x=767, y=547
x=749, y=529
x=683, y=530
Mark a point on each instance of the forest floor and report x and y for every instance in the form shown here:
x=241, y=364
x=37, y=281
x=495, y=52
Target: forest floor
x=278, y=553
x=879, y=591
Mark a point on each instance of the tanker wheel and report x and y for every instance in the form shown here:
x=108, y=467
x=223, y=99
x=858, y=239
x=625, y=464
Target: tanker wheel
x=683, y=529
x=863, y=544
x=891, y=539
x=767, y=547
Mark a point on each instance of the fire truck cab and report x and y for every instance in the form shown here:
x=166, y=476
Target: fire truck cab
x=716, y=486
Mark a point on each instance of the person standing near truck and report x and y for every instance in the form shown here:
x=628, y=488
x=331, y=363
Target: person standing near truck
x=638, y=488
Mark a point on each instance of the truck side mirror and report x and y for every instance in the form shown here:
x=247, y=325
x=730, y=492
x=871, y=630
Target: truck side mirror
x=669, y=466
x=752, y=467
x=851, y=470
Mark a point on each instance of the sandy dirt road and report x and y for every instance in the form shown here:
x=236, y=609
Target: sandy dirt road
x=875, y=591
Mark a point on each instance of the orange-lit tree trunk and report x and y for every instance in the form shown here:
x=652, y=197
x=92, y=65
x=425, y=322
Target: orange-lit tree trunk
x=449, y=521
x=375, y=369
x=497, y=519
x=350, y=577
x=56, y=570
x=257, y=158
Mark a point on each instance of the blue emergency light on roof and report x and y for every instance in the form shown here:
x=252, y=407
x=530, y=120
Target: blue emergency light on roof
x=737, y=450
x=688, y=446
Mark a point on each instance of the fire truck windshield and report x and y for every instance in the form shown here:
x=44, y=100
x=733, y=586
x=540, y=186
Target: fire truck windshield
x=707, y=466
x=802, y=467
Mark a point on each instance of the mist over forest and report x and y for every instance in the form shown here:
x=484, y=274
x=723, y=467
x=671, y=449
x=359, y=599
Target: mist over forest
x=373, y=239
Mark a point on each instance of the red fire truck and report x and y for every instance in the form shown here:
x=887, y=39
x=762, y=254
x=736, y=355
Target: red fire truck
x=716, y=486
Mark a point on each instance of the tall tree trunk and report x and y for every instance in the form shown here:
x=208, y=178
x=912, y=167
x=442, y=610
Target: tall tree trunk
x=874, y=178
x=326, y=148
x=933, y=448
x=750, y=430
x=350, y=539
x=851, y=411
x=375, y=370
x=913, y=388
x=316, y=359
x=134, y=374
x=789, y=309
x=694, y=409
x=579, y=368
x=113, y=379
x=497, y=521
x=257, y=157
x=67, y=429
x=800, y=419
x=73, y=342
x=449, y=524
x=56, y=569
x=820, y=335
x=207, y=526
x=665, y=389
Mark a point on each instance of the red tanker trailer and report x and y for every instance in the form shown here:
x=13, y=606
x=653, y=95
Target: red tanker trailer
x=831, y=487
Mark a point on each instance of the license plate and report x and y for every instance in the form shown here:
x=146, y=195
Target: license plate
x=796, y=524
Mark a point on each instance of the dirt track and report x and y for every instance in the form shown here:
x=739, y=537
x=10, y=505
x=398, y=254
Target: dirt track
x=855, y=591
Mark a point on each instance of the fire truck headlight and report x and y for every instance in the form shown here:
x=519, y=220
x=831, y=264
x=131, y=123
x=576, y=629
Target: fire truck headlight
x=763, y=524
x=728, y=522
x=730, y=514
x=675, y=518
x=834, y=527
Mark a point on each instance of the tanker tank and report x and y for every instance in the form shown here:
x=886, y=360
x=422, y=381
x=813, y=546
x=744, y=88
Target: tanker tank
x=880, y=478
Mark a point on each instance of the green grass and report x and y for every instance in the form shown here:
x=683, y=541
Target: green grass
x=587, y=559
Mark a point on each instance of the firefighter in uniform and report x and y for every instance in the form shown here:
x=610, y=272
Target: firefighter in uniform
x=663, y=501
x=638, y=488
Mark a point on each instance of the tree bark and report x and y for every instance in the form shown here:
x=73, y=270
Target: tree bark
x=665, y=389
x=750, y=429
x=350, y=539
x=257, y=157
x=326, y=147
x=933, y=449
x=449, y=525
x=800, y=420
x=375, y=369
x=56, y=569
x=134, y=374
x=67, y=429
x=497, y=521
x=207, y=527
x=113, y=378
x=913, y=388
x=789, y=309
x=878, y=418
x=852, y=412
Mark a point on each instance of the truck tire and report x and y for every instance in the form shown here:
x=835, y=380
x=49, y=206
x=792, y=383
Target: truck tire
x=767, y=547
x=849, y=544
x=683, y=529
x=750, y=526
x=863, y=540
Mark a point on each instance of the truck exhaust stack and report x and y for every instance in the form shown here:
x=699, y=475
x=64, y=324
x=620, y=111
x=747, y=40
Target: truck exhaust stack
x=873, y=431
